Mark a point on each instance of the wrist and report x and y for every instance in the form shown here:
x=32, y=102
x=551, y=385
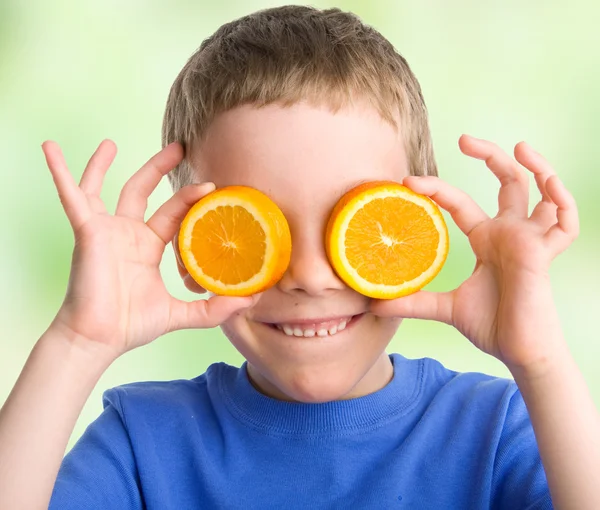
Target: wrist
x=77, y=348
x=548, y=367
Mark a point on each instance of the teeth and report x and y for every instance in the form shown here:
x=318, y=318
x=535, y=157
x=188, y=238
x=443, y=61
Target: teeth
x=298, y=331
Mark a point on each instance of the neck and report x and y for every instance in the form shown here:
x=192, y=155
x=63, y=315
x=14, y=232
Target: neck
x=377, y=377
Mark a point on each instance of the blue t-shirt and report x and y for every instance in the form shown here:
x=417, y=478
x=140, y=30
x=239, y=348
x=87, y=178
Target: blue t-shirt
x=432, y=439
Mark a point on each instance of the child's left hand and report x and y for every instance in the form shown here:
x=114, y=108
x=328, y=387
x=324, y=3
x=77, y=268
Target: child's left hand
x=505, y=307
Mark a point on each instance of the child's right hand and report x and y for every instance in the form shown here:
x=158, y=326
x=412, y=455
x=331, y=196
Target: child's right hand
x=116, y=297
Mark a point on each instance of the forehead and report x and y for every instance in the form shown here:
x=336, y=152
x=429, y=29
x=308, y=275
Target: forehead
x=302, y=156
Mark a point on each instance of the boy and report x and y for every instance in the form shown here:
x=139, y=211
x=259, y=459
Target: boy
x=304, y=104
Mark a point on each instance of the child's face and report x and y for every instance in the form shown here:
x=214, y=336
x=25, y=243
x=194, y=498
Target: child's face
x=305, y=159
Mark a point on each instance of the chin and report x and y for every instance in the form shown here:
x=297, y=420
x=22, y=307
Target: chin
x=314, y=387
x=313, y=370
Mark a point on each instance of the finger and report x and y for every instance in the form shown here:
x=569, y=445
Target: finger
x=134, y=196
x=166, y=220
x=93, y=175
x=191, y=284
x=514, y=182
x=206, y=313
x=536, y=164
x=464, y=210
x=544, y=214
x=425, y=305
x=71, y=197
x=188, y=281
x=175, y=244
x=566, y=230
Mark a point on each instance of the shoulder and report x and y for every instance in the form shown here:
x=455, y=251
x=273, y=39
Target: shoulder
x=469, y=384
x=481, y=424
x=164, y=398
x=454, y=393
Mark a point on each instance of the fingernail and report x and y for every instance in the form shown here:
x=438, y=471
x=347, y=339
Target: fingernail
x=249, y=302
x=205, y=186
x=474, y=138
x=530, y=147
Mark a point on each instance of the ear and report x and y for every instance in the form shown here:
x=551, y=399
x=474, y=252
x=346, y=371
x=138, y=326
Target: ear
x=188, y=281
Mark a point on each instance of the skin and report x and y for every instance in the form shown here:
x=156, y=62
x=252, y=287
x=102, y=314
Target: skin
x=305, y=158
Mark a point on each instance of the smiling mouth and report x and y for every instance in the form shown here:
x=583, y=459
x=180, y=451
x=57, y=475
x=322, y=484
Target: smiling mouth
x=320, y=328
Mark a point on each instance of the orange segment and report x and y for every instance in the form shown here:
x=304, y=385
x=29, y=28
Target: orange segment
x=235, y=241
x=386, y=241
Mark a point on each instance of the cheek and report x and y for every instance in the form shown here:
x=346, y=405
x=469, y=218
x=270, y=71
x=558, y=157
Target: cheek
x=232, y=326
x=392, y=322
x=236, y=329
x=387, y=327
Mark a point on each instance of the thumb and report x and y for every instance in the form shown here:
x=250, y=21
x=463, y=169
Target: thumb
x=206, y=313
x=426, y=305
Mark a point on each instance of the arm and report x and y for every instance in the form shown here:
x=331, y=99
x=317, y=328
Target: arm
x=39, y=416
x=567, y=430
x=506, y=309
x=101, y=470
x=116, y=301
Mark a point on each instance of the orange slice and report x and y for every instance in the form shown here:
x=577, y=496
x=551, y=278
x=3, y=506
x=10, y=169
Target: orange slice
x=235, y=241
x=386, y=241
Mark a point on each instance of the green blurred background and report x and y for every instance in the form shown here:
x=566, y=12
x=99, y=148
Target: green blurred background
x=81, y=71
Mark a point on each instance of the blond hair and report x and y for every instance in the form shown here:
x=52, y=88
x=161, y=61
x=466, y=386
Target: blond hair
x=296, y=53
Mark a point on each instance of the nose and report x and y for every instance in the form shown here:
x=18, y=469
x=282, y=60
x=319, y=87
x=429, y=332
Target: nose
x=309, y=271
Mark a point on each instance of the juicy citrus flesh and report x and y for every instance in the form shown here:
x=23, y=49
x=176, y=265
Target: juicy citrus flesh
x=386, y=241
x=235, y=241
